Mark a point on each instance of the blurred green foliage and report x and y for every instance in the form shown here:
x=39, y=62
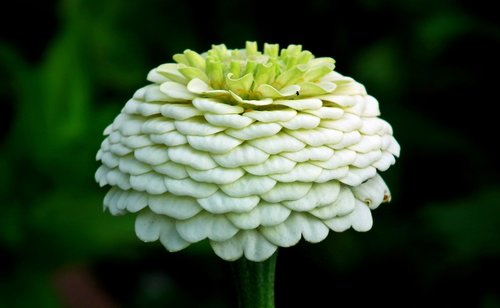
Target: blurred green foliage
x=66, y=76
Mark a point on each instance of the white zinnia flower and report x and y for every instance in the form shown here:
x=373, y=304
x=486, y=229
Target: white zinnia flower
x=250, y=150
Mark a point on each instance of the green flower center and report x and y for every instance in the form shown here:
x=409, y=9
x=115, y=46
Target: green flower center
x=252, y=74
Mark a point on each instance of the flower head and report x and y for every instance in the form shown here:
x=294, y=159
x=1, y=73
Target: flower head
x=250, y=150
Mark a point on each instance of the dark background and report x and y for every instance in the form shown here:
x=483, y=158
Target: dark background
x=67, y=68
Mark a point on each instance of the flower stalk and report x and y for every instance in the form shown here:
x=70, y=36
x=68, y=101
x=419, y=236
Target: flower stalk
x=255, y=282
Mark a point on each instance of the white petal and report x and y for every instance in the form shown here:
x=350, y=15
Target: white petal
x=357, y=108
x=135, y=201
x=206, y=225
x=131, y=106
x=197, y=127
x=320, y=153
x=249, y=185
x=151, y=227
x=219, y=143
x=119, y=120
x=172, y=170
x=188, y=187
x=187, y=156
x=394, y=148
x=108, y=130
x=361, y=217
x=220, y=203
x=115, y=137
x=373, y=192
x=340, y=100
x=274, y=165
x=100, y=175
x=301, y=104
x=99, y=154
x=254, y=131
x=110, y=160
x=303, y=172
x=251, y=243
x=332, y=174
x=317, y=137
x=228, y=120
x=268, y=116
x=384, y=162
x=318, y=195
x=272, y=214
x=339, y=224
x=387, y=129
x=135, y=142
x=139, y=93
x=265, y=214
x=176, y=91
x=179, y=111
x=153, y=155
x=129, y=164
x=313, y=229
x=106, y=143
x=231, y=249
x=171, y=71
x=217, y=175
x=116, y=178
x=119, y=149
x=156, y=77
x=356, y=176
x=153, y=94
x=350, y=88
x=171, y=139
x=343, y=204
x=348, y=139
x=151, y=182
x=331, y=113
x=213, y=106
x=113, y=203
x=148, y=226
x=302, y=121
x=286, y=191
x=386, y=140
x=251, y=102
x=171, y=239
x=365, y=160
x=278, y=143
x=347, y=123
x=174, y=206
x=367, y=144
x=371, y=107
x=198, y=86
x=157, y=126
x=257, y=248
x=245, y=220
x=132, y=126
x=372, y=126
x=241, y=156
x=148, y=109
x=285, y=234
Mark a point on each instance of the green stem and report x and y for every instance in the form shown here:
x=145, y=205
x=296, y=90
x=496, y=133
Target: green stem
x=255, y=282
